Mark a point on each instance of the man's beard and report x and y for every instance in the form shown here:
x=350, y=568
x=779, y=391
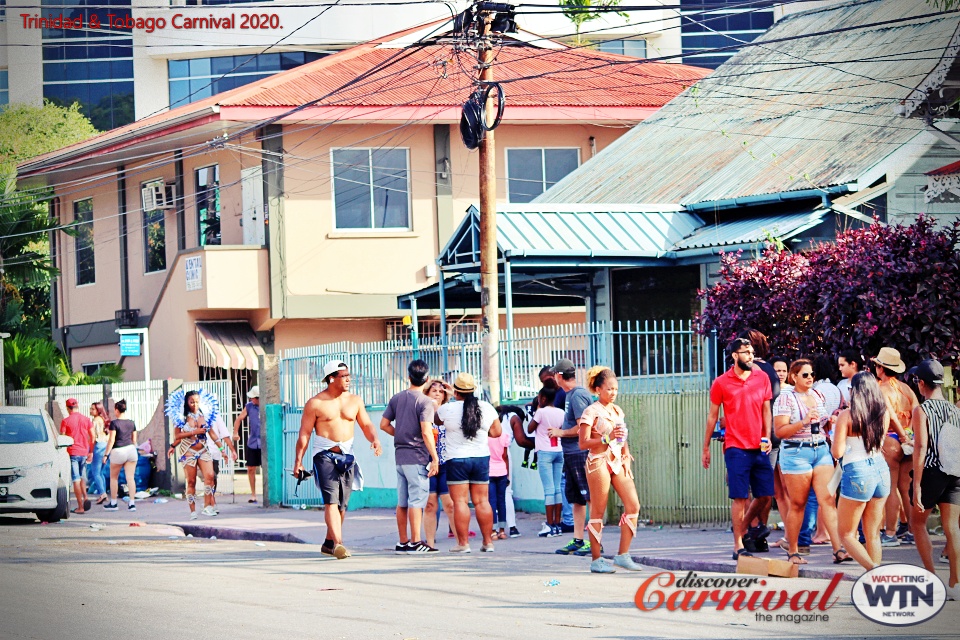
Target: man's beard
x=744, y=366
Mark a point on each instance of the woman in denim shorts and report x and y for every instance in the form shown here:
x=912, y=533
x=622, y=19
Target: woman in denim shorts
x=805, y=460
x=858, y=439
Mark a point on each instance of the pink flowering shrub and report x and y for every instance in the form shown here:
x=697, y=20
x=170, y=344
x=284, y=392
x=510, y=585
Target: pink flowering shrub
x=896, y=286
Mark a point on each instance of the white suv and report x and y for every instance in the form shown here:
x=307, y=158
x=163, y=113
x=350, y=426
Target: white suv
x=34, y=465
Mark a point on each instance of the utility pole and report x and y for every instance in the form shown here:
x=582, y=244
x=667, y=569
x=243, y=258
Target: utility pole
x=489, y=276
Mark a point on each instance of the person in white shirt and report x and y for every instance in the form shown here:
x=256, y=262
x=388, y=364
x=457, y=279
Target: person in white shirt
x=223, y=434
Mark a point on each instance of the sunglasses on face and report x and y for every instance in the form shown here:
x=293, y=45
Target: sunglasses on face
x=805, y=375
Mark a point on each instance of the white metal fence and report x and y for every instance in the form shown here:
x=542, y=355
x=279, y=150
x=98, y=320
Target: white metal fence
x=142, y=398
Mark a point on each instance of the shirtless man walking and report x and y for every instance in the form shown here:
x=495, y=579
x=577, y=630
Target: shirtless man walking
x=329, y=416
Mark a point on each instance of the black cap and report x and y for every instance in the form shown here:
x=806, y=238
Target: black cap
x=930, y=371
x=564, y=366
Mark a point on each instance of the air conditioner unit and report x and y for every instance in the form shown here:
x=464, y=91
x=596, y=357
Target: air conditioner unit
x=158, y=195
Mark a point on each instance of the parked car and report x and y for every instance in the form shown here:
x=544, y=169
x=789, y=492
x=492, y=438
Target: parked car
x=34, y=465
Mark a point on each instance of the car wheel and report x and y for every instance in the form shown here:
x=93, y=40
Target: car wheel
x=60, y=512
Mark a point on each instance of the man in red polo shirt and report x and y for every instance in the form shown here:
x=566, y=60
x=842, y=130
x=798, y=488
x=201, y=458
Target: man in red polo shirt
x=78, y=426
x=744, y=392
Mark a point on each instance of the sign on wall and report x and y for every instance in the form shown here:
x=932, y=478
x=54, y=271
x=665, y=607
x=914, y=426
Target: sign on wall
x=130, y=344
x=193, y=267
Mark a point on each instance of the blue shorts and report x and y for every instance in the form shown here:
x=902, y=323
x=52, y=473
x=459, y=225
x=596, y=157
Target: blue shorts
x=78, y=465
x=748, y=469
x=438, y=483
x=413, y=486
x=803, y=459
x=864, y=480
x=468, y=470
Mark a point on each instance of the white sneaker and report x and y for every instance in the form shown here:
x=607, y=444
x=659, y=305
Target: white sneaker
x=545, y=530
x=209, y=511
x=953, y=593
x=943, y=559
x=193, y=515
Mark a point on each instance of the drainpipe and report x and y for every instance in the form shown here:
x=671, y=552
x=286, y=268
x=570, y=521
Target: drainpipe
x=124, y=256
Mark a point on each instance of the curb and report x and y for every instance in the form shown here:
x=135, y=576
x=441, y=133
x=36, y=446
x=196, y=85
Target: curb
x=671, y=564
x=205, y=531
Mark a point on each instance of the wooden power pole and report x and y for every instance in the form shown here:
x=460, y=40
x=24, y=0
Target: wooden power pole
x=489, y=276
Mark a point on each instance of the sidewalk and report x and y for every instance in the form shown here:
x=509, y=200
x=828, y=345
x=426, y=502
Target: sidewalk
x=374, y=530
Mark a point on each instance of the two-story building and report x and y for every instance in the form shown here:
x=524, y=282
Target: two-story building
x=293, y=210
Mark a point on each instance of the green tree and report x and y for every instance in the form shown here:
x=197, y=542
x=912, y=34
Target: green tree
x=25, y=266
x=580, y=11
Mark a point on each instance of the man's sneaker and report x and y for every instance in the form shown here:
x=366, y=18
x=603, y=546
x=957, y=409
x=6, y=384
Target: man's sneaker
x=759, y=532
x=111, y=506
x=944, y=559
x=600, y=565
x=585, y=549
x=545, y=531
x=953, y=593
x=533, y=465
x=420, y=547
x=193, y=515
x=525, y=464
x=514, y=532
x=556, y=532
x=570, y=547
x=209, y=512
x=907, y=538
x=625, y=561
x=132, y=507
x=402, y=547
x=340, y=552
x=460, y=549
x=902, y=528
x=566, y=528
x=487, y=548
x=888, y=541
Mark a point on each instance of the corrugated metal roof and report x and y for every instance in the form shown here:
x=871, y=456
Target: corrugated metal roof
x=953, y=167
x=434, y=75
x=751, y=230
x=600, y=231
x=811, y=112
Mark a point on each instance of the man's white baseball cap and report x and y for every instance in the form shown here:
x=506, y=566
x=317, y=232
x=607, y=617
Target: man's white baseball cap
x=333, y=366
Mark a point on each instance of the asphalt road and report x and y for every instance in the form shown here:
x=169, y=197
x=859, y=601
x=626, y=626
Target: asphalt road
x=71, y=581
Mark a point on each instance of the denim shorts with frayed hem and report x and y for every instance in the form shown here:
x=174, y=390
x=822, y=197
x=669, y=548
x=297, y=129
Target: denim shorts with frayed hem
x=468, y=470
x=803, y=459
x=864, y=480
x=78, y=465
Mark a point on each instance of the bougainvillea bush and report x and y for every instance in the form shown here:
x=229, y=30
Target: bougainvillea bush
x=876, y=286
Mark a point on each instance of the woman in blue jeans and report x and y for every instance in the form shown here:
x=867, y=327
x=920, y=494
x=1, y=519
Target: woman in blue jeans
x=96, y=479
x=865, y=485
x=549, y=456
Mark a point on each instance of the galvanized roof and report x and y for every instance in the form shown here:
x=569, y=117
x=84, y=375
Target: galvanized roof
x=571, y=231
x=751, y=230
x=816, y=107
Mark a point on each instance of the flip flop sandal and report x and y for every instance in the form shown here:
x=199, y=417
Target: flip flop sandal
x=837, y=559
x=77, y=512
x=741, y=552
x=86, y=505
x=791, y=556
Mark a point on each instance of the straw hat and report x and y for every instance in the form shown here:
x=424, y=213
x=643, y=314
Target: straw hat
x=890, y=358
x=465, y=383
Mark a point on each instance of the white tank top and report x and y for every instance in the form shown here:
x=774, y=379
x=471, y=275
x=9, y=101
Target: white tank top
x=856, y=452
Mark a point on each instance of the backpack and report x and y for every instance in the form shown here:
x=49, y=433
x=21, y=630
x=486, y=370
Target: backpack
x=948, y=444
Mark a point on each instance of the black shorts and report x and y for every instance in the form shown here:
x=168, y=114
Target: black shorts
x=335, y=487
x=576, y=489
x=251, y=456
x=936, y=487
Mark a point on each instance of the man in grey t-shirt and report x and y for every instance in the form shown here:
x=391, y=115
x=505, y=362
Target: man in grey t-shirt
x=411, y=413
x=574, y=460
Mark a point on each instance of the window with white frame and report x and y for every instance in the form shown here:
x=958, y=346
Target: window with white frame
x=371, y=188
x=154, y=240
x=83, y=241
x=530, y=172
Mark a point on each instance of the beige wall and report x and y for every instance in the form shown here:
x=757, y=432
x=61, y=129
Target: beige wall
x=289, y=334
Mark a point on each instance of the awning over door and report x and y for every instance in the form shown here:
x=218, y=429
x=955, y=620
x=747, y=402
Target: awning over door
x=228, y=345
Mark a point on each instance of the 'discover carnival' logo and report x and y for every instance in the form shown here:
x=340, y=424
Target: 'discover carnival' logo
x=899, y=595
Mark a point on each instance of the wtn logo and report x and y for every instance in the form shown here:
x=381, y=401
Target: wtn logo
x=884, y=595
x=898, y=595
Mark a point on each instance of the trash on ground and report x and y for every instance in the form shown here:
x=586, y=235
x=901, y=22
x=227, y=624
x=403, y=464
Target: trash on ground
x=178, y=496
x=213, y=537
x=259, y=544
x=173, y=537
x=138, y=524
x=161, y=501
x=98, y=527
x=551, y=583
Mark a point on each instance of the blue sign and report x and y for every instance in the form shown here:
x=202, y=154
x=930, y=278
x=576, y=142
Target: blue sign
x=129, y=344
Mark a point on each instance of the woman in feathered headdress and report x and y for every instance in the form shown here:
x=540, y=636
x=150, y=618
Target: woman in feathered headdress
x=200, y=409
